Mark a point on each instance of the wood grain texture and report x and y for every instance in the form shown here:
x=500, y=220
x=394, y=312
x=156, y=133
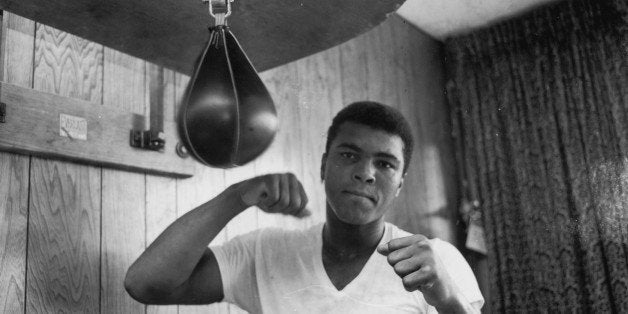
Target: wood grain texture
x=13, y=224
x=161, y=211
x=67, y=65
x=382, y=65
x=18, y=36
x=319, y=98
x=64, y=225
x=354, y=71
x=124, y=194
x=192, y=192
x=124, y=82
x=15, y=174
x=161, y=192
x=123, y=237
x=64, y=241
x=173, y=33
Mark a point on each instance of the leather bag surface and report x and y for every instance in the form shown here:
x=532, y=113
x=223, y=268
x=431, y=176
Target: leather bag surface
x=228, y=117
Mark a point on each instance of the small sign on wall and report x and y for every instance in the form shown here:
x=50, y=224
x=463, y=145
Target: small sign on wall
x=72, y=127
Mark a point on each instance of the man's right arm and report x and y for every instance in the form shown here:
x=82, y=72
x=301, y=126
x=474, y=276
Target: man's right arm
x=178, y=268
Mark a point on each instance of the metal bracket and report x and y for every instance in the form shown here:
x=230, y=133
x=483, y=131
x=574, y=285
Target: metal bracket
x=3, y=112
x=153, y=140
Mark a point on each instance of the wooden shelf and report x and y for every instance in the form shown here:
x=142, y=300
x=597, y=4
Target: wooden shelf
x=172, y=33
x=33, y=125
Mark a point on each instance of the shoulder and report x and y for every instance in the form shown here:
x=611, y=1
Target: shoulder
x=459, y=269
x=447, y=250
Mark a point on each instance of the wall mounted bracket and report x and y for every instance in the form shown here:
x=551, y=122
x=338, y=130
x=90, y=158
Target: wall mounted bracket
x=150, y=139
x=154, y=138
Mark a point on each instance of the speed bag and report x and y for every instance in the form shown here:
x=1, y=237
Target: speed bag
x=228, y=117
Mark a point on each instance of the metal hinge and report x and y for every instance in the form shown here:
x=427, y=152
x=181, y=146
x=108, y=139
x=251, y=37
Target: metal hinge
x=153, y=140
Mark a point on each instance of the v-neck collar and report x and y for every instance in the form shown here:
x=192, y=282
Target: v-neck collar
x=322, y=273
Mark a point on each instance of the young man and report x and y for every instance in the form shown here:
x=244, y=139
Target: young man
x=353, y=263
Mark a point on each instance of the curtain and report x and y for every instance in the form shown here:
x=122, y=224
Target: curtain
x=539, y=106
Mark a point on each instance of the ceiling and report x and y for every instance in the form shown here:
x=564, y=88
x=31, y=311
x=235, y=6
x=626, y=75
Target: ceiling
x=445, y=18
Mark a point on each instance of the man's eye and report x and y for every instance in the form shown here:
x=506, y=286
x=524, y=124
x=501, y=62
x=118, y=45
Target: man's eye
x=348, y=155
x=385, y=164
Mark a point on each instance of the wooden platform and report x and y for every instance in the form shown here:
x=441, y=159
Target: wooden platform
x=172, y=33
x=44, y=124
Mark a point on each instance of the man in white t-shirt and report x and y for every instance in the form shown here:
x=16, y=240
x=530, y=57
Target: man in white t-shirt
x=353, y=263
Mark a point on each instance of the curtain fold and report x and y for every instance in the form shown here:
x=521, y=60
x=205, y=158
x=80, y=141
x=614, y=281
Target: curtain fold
x=540, y=112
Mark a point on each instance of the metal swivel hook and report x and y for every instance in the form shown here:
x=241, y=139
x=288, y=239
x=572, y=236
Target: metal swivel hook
x=219, y=10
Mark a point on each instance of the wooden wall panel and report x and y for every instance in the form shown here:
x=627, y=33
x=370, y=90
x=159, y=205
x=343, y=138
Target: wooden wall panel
x=425, y=104
x=353, y=70
x=395, y=89
x=161, y=211
x=64, y=225
x=67, y=65
x=17, y=68
x=13, y=224
x=161, y=192
x=382, y=66
x=17, y=58
x=319, y=99
x=64, y=238
x=124, y=194
x=123, y=237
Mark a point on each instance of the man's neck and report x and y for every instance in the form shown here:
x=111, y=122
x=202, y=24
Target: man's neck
x=346, y=239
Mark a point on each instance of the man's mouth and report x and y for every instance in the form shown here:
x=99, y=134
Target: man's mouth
x=362, y=194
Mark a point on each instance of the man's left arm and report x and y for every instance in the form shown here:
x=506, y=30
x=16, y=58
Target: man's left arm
x=415, y=260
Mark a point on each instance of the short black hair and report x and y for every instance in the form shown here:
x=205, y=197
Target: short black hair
x=377, y=116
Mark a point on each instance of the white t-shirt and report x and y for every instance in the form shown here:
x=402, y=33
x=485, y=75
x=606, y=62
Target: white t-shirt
x=281, y=271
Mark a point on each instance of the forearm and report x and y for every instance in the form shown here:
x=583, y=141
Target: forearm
x=171, y=258
x=459, y=305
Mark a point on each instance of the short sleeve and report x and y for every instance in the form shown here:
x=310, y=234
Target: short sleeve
x=460, y=271
x=236, y=261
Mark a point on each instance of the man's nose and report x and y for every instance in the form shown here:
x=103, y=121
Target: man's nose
x=364, y=172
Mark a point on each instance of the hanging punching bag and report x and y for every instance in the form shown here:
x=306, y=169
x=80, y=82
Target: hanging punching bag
x=228, y=117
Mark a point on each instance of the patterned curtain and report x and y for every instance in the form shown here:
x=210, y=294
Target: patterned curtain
x=540, y=113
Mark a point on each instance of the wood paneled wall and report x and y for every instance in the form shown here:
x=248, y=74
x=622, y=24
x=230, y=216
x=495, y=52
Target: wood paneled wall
x=68, y=232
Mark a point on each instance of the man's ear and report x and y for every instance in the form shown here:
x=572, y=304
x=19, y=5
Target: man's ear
x=323, y=163
x=400, y=185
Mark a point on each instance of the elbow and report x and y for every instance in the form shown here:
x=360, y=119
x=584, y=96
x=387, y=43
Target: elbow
x=134, y=287
x=143, y=291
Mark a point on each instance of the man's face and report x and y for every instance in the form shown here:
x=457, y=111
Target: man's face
x=363, y=173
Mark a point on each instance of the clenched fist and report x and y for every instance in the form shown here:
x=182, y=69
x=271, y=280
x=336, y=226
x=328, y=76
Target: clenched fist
x=415, y=261
x=274, y=193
